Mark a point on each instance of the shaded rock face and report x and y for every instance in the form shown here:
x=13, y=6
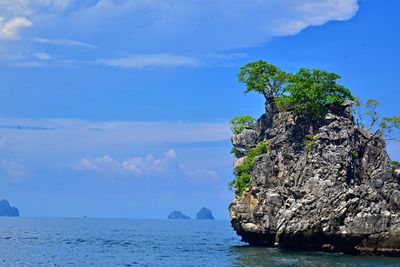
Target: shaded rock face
x=336, y=191
x=7, y=210
x=204, y=214
x=178, y=215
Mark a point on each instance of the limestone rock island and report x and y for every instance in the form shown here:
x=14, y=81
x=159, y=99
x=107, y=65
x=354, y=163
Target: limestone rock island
x=178, y=215
x=204, y=214
x=323, y=184
x=7, y=210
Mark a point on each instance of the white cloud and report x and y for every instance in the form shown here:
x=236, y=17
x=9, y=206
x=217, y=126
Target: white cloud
x=144, y=166
x=43, y=56
x=10, y=29
x=188, y=21
x=137, y=166
x=198, y=173
x=171, y=154
x=107, y=145
x=154, y=33
x=100, y=164
x=63, y=42
x=31, y=7
x=211, y=25
x=140, y=166
x=149, y=60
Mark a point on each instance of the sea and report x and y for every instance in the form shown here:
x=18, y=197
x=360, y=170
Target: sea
x=133, y=242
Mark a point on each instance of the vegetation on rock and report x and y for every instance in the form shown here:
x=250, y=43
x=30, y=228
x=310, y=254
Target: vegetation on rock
x=314, y=149
x=308, y=92
x=243, y=172
x=264, y=78
x=388, y=124
x=311, y=92
x=240, y=123
x=368, y=118
x=235, y=152
x=309, y=142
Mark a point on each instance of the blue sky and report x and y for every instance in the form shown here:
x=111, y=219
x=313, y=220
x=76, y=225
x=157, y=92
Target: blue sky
x=121, y=108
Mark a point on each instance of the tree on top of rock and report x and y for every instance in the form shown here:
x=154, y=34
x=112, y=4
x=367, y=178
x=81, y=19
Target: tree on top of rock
x=311, y=92
x=264, y=78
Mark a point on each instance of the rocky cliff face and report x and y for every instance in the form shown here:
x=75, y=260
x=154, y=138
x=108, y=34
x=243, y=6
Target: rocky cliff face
x=332, y=190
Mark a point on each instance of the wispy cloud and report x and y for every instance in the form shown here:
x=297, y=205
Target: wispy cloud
x=24, y=127
x=149, y=60
x=63, y=42
x=54, y=133
x=29, y=64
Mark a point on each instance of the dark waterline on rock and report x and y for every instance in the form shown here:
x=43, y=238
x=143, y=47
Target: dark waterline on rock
x=128, y=242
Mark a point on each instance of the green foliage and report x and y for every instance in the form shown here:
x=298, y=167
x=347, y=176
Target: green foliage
x=235, y=152
x=309, y=142
x=354, y=154
x=395, y=163
x=264, y=78
x=243, y=172
x=240, y=123
x=390, y=123
x=310, y=92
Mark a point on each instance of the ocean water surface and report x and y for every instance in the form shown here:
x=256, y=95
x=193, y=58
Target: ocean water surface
x=131, y=242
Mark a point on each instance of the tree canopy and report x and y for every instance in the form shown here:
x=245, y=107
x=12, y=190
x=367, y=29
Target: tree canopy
x=312, y=91
x=264, y=78
x=307, y=91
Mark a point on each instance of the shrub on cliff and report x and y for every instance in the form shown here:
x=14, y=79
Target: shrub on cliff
x=240, y=123
x=243, y=172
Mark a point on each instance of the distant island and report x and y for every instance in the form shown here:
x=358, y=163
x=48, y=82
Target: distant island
x=7, y=210
x=178, y=215
x=204, y=214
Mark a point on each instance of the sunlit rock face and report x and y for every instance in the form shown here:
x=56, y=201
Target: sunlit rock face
x=325, y=185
